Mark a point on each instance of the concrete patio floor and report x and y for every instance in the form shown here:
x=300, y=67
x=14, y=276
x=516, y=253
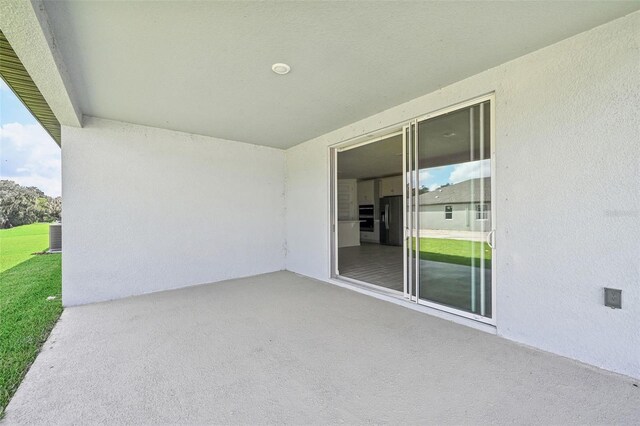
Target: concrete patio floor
x=280, y=348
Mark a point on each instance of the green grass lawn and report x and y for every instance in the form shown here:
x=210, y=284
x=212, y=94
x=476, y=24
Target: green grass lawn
x=26, y=316
x=459, y=252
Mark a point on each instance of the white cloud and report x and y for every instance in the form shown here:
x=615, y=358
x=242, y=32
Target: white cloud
x=471, y=170
x=29, y=156
x=423, y=177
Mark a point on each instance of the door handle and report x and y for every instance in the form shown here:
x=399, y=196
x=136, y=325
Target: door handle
x=491, y=239
x=386, y=216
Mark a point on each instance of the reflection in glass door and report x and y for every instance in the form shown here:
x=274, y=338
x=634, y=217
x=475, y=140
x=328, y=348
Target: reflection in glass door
x=448, y=207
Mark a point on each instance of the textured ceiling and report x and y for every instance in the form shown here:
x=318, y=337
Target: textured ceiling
x=205, y=67
x=378, y=159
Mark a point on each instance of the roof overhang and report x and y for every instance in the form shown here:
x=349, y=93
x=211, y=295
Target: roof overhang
x=17, y=78
x=32, y=66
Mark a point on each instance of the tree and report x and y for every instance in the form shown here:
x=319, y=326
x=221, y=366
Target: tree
x=21, y=205
x=55, y=206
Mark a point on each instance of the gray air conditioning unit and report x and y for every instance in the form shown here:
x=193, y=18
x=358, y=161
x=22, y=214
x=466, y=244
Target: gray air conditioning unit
x=55, y=238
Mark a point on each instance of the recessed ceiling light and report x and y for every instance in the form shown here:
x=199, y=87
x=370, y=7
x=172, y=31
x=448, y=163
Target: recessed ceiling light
x=281, y=69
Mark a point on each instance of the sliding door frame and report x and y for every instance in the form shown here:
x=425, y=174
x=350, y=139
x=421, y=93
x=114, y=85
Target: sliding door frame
x=333, y=169
x=412, y=301
x=491, y=99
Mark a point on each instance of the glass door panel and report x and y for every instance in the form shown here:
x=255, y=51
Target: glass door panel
x=451, y=220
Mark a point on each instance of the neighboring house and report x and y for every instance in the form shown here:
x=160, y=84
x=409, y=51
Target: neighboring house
x=463, y=206
x=186, y=160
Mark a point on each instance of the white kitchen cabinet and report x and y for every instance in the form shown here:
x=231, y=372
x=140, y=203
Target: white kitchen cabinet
x=366, y=192
x=347, y=199
x=390, y=186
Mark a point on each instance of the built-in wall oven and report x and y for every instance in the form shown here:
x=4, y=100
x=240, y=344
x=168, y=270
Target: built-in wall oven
x=366, y=217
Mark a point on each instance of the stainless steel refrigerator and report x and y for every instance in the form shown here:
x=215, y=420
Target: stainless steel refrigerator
x=391, y=221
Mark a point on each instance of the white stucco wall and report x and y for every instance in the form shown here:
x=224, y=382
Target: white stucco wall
x=568, y=192
x=147, y=209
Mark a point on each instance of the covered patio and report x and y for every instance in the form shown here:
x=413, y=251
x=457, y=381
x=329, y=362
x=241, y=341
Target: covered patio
x=201, y=210
x=282, y=348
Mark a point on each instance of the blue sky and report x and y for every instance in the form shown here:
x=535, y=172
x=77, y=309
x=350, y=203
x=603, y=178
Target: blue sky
x=435, y=177
x=28, y=155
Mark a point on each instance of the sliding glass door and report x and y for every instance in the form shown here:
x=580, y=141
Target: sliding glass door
x=449, y=239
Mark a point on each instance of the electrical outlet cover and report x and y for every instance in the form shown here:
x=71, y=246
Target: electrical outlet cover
x=613, y=298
